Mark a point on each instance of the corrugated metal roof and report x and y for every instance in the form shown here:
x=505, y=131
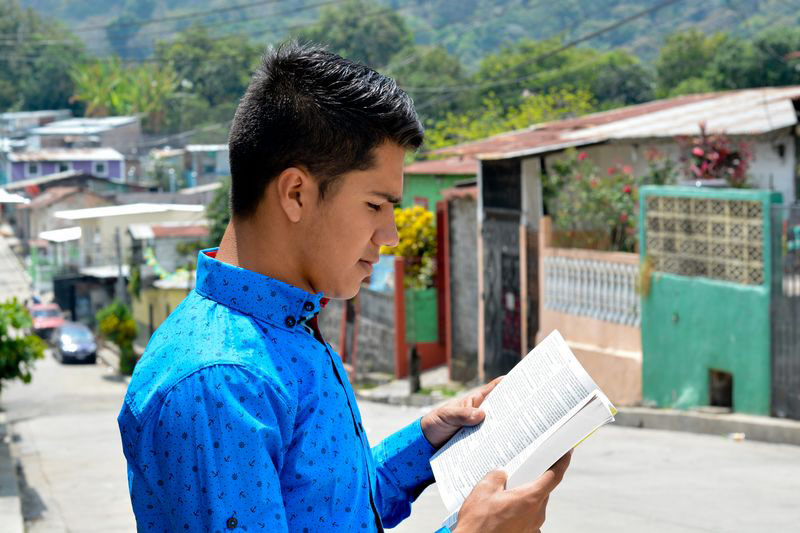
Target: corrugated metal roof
x=206, y=147
x=62, y=235
x=11, y=198
x=742, y=112
x=50, y=196
x=82, y=126
x=128, y=209
x=467, y=166
x=67, y=154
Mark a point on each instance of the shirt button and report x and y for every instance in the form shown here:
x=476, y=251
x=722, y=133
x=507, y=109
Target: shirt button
x=308, y=306
x=290, y=321
x=232, y=523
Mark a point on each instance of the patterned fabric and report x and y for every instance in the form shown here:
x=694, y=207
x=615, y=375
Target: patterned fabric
x=240, y=416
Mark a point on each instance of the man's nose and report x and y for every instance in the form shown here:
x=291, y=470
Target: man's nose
x=387, y=234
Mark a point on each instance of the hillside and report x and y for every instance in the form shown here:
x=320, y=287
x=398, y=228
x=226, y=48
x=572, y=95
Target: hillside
x=467, y=28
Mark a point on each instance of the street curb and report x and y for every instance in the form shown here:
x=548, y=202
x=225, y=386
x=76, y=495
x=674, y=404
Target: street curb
x=10, y=502
x=749, y=427
x=734, y=425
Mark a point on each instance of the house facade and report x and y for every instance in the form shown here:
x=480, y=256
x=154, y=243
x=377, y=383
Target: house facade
x=101, y=162
x=123, y=134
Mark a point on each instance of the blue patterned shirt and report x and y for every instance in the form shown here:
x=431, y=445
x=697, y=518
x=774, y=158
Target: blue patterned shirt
x=240, y=416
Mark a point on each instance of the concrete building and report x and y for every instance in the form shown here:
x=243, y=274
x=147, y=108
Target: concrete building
x=101, y=162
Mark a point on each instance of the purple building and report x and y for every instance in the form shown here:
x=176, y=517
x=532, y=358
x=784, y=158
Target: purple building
x=100, y=162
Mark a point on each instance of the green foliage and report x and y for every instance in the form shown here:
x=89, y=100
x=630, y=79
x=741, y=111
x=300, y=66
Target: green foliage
x=218, y=213
x=597, y=210
x=685, y=55
x=217, y=70
x=18, y=351
x=107, y=87
x=34, y=71
x=417, y=246
x=116, y=323
x=491, y=118
x=360, y=29
x=424, y=66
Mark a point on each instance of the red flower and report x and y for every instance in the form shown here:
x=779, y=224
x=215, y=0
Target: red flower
x=698, y=151
x=623, y=217
x=593, y=183
x=627, y=169
x=627, y=189
x=611, y=171
x=582, y=156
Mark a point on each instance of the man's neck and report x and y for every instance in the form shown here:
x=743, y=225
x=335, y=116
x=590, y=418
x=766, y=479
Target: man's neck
x=245, y=245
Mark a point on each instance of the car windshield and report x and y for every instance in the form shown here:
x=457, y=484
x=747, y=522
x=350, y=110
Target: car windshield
x=46, y=313
x=77, y=334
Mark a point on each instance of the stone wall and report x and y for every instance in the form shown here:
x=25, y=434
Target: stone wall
x=464, y=288
x=375, y=335
x=376, y=332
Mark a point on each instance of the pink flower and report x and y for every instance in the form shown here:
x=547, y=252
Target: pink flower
x=582, y=156
x=593, y=183
x=623, y=217
x=627, y=189
x=627, y=169
x=698, y=151
x=611, y=171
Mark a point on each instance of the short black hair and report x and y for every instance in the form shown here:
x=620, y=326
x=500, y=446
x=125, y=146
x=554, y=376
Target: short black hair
x=307, y=106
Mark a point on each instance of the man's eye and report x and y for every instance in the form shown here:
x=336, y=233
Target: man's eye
x=374, y=207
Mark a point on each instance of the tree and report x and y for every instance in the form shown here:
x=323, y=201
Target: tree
x=686, y=55
x=35, y=62
x=425, y=66
x=361, y=30
x=107, y=87
x=217, y=69
x=491, y=118
x=116, y=323
x=18, y=351
x=218, y=213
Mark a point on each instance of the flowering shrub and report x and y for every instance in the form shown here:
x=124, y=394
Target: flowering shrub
x=417, y=245
x=715, y=156
x=597, y=210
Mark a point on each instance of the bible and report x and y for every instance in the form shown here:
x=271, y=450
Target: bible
x=545, y=406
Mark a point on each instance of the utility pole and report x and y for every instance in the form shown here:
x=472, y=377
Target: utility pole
x=120, y=287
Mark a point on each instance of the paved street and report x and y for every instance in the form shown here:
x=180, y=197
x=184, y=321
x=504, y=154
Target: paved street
x=622, y=480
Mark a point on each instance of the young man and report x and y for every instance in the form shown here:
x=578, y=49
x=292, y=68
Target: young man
x=239, y=415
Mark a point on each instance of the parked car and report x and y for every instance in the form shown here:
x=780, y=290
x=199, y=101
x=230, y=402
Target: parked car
x=46, y=318
x=73, y=341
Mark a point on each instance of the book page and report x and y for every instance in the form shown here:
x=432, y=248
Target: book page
x=537, y=397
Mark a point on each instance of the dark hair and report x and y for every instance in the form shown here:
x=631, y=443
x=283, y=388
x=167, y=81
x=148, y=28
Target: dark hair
x=306, y=106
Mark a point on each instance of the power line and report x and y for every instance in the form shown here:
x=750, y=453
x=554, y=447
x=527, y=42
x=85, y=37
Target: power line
x=545, y=55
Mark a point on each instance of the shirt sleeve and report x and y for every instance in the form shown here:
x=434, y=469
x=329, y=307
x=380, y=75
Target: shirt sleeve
x=403, y=470
x=217, y=447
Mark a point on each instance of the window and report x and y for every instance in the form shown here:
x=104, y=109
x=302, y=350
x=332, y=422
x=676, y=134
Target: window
x=63, y=166
x=33, y=169
x=100, y=168
x=209, y=169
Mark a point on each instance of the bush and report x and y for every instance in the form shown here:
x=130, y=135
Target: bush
x=598, y=210
x=117, y=325
x=18, y=351
x=417, y=246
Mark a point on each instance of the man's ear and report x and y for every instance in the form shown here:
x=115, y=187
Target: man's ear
x=295, y=189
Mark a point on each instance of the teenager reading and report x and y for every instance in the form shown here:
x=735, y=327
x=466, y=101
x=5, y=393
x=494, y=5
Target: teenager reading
x=239, y=415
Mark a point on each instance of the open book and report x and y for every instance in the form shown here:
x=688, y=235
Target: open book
x=543, y=408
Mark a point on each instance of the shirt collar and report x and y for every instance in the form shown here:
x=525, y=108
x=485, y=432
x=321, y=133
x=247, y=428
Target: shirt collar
x=251, y=293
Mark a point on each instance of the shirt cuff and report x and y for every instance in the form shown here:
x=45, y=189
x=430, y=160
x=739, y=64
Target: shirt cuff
x=407, y=455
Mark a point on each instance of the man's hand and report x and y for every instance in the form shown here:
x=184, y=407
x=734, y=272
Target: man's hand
x=490, y=507
x=443, y=422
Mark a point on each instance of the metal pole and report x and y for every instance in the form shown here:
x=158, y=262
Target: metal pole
x=120, y=287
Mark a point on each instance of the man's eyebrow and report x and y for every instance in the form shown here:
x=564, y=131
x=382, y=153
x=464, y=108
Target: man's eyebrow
x=392, y=199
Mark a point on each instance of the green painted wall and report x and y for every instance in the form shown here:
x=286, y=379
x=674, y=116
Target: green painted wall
x=691, y=325
x=422, y=323
x=428, y=186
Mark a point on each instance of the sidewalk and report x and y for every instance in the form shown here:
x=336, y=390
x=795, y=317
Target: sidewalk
x=10, y=502
x=730, y=425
